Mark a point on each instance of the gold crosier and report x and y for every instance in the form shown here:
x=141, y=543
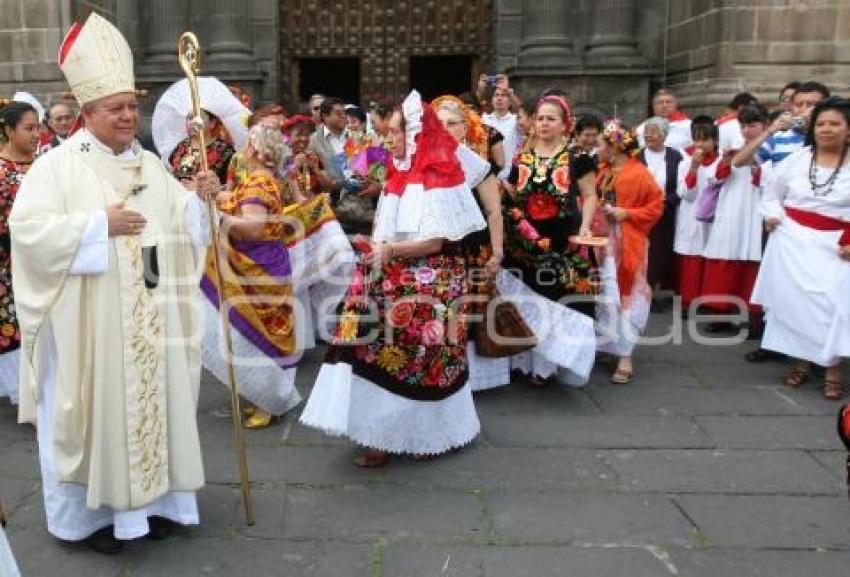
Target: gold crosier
x=189, y=53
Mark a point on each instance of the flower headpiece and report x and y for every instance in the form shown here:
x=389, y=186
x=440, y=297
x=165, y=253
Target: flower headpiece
x=620, y=138
x=298, y=120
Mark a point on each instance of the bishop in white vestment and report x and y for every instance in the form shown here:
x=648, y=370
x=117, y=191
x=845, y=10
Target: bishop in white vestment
x=105, y=249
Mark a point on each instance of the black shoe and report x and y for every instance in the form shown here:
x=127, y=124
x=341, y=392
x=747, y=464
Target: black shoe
x=762, y=355
x=104, y=542
x=160, y=528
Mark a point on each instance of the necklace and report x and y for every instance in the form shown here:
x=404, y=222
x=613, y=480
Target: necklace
x=542, y=164
x=825, y=188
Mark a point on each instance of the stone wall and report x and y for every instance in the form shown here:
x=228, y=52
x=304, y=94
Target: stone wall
x=30, y=34
x=720, y=47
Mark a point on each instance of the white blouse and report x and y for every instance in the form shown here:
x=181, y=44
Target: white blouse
x=788, y=185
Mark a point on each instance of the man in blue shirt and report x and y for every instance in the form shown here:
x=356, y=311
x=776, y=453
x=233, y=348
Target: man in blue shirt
x=791, y=133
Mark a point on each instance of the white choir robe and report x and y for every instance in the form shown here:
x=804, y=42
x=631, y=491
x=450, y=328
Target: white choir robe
x=116, y=416
x=736, y=231
x=691, y=234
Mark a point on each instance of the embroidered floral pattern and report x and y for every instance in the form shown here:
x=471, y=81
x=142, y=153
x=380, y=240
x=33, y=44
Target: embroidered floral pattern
x=417, y=308
x=11, y=175
x=545, y=201
x=150, y=433
x=185, y=160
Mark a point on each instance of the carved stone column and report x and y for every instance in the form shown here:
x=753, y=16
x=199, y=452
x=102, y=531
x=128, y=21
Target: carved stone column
x=165, y=21
x=230, y=29
x=613, y=43
x=545, y=37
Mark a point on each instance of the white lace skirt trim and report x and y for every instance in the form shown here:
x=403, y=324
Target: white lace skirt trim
x=344, y=404
x=10, y=364
x=486, y=372
x=566, y=338
x=259, y=379
x=420, y=214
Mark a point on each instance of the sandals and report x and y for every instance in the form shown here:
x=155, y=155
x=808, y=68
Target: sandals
x=622, y=377
x=833, y=390
x=371, y=459
x=797, y=378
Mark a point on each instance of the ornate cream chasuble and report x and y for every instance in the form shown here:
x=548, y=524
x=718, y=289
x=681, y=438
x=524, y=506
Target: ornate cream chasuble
x=128, y=365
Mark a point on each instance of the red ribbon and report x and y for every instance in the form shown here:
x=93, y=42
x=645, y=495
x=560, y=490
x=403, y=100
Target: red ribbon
x=820, y=222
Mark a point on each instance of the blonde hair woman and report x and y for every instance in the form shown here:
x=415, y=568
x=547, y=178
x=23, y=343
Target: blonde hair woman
x=258, y=286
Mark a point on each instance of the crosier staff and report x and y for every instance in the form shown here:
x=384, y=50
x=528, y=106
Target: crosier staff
x=189, y=53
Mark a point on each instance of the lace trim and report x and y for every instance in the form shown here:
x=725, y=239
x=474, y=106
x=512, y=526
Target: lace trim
x=343, y=404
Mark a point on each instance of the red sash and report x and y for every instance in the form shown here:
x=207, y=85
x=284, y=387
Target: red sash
x=820, y=222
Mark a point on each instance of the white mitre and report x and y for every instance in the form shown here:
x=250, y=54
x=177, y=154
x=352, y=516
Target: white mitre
x=96, y=60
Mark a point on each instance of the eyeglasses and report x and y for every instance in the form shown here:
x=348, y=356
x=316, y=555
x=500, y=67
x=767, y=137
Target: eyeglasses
x=316, y=108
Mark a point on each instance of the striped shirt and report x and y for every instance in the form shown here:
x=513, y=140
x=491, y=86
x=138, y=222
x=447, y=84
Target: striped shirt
x=780, y=145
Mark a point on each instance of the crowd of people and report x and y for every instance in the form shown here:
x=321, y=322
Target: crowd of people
x=437, y=248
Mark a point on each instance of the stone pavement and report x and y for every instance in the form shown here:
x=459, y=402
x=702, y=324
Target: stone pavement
x=704, y=466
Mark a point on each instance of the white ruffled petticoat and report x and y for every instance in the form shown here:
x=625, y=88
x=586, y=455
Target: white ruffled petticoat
x=566, y=345
x=344, y=404
x=260, y=379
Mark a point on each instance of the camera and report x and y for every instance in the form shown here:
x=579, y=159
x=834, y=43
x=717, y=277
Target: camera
x=491, y=79
x=798, y=123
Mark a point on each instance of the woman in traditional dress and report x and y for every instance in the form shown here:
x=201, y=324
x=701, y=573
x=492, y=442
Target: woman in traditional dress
x=697, y=172
x=185, y=160
x=551, y=284
x=258, y=287
x=19, y=135
x=633, y=203
x=663, y=163
x=804, y=281
x=734, y=245
x=395, y=378
x=484, y=249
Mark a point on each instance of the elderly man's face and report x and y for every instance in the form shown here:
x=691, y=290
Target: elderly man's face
x=654, y=138
x=61, y=119
x=113, y=120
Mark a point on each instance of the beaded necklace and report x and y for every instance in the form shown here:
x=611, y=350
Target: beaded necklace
x=823, y=189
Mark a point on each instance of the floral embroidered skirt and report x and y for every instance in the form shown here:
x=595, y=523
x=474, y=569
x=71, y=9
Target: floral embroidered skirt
x=395, y=376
